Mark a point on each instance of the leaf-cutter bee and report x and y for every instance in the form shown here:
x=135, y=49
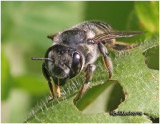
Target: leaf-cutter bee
x=77, y=48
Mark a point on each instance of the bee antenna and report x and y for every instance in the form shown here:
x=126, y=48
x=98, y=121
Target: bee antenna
x=47, y=59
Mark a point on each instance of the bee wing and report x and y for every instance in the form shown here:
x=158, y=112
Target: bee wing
x=116, y=34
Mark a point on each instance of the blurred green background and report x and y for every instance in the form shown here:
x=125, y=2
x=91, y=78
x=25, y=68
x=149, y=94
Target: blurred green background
x=25, y=26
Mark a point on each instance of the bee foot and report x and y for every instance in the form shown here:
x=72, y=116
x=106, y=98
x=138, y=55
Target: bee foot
x=109, y=79
x=49, y=100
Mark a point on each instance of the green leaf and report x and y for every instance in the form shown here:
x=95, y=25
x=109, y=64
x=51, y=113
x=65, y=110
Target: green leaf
x=139, y=86
x=152, y=57
x=5, y=77
x=148, y=13
x=106, y=93
x=137, y=81
x=19, y=103
x=64, y=111
x=32, y=84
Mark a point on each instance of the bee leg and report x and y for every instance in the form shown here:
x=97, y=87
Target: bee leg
x=47, y=76
x=89, y=72
x=58, y=90
x=106, y=59
x=120, y=46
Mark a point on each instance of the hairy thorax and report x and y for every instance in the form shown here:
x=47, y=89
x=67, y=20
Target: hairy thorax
x=90, y=53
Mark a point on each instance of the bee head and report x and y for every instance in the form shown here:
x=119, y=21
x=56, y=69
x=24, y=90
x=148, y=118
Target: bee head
x=63, y=62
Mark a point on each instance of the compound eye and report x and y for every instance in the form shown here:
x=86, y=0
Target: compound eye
x=76, y=63
x=76, y=58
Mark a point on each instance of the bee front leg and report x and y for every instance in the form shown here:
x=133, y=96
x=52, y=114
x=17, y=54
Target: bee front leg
x=106, y=59
x=89, y=73
x=47, y=76
x=58, y=91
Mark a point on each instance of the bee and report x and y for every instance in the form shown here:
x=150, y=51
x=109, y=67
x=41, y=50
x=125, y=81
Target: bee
x=77, y=48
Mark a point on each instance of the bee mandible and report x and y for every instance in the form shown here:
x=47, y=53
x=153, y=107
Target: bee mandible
x=77, y=48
